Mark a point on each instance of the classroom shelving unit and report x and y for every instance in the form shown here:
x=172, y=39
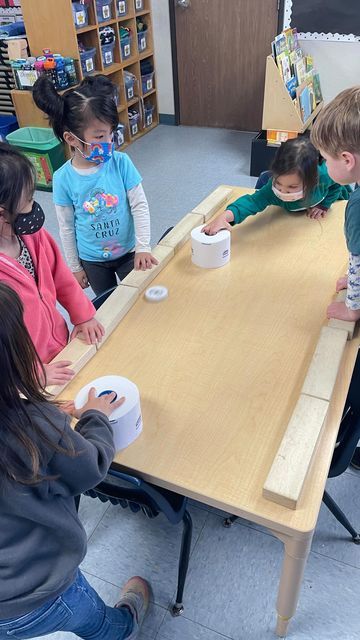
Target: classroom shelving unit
x=50, y=24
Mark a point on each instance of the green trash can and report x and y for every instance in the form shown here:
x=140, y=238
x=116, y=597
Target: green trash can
x=44, y=150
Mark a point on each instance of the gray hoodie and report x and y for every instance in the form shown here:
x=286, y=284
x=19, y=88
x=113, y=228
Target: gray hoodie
x=42, y=541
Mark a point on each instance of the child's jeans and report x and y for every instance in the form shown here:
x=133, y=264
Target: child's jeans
x=102, y=275
x=79, y=610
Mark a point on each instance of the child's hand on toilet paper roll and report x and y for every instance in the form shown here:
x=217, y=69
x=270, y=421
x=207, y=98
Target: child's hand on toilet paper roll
x=100, y=403
x=220, y=222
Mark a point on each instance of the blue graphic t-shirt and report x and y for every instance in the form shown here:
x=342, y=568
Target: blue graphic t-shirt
x=104, y=226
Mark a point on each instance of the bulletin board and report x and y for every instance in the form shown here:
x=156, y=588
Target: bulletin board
x=336, y=20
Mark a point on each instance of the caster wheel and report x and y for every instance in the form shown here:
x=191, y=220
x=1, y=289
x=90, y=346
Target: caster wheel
x=176, y=610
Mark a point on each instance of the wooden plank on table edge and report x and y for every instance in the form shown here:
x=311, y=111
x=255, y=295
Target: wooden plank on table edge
x=300, y=439
x=79, y=354
x=141, y=279
x=180, y=234
x=346, y=325
x=115, y=308
x=325, y=363
x=213, y=202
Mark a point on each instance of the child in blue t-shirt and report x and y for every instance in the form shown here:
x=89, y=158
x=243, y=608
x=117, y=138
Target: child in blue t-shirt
x=101, y=207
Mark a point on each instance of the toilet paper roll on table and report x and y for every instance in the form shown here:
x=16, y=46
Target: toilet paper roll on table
x=210, y=252
x=126, y=420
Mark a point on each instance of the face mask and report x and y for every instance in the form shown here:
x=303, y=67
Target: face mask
x=288, y=197
x=27, y=223
x=100, y=152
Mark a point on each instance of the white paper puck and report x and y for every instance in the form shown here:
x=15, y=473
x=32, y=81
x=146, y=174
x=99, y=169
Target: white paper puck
x=156, y=293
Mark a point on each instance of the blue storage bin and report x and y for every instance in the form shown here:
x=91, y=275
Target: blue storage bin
x=148, y=114
x=142, y=40
x=125, y=45
x=87, y=59
x=139, y=5
x=80, y=14
x=147, y=82
x=107, y=53
x=134, y=120
x=7, y=125
x=121, y=8
x=130, y=81
x=119, y=135
x=103, y=10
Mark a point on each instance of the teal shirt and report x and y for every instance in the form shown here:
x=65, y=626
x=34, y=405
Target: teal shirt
x=325, y=193
x=352, y=223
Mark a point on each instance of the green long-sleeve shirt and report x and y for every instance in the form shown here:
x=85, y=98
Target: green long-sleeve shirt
x=325, y=193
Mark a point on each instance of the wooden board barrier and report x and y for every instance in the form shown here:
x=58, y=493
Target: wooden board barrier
x=141, y=279
x=213, y=202
x=180, y=234
x=115, y=308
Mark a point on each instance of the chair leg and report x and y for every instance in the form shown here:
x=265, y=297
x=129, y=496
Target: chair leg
x=178, y=607
x=227, y=522
x=340, y=516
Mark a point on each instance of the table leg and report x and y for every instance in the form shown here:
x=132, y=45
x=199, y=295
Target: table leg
x=295, y=556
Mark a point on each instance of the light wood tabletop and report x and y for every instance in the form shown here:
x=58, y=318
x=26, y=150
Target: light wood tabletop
x=220, y=365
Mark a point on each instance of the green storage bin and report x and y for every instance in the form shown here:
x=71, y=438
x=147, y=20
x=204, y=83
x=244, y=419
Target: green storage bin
x=44, y=150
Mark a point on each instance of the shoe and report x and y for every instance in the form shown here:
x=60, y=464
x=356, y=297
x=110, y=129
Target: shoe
x=355, y=460
x=135, y=595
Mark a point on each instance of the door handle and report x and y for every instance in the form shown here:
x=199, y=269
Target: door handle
x=183, y=4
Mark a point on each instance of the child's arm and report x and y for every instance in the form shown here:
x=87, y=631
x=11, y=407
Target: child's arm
x=350, y=309
x=65, y=216
x=140, y=211
x=334, y=193
x=242, y=208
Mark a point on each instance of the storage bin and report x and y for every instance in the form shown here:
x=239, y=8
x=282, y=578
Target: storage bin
x=142, y=40
x=119, y=135
x=125, y=46
x=7, y=125
x=43, y=149
x=130, y=81
x=87, y=59
x=139, y=5
x=147, y=82
x=80, y=14
x=148, y=114
x=121, y=8
x=103, y=10
x=107, y=53
x=134, y=120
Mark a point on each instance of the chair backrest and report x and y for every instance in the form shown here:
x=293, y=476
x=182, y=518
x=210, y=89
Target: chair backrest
x=100, y=299
x=263, y=178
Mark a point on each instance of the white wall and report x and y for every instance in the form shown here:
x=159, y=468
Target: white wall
x=338, y=64
x=163, y=60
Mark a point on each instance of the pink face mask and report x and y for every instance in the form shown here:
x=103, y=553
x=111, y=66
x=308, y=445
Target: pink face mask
x=288, y=197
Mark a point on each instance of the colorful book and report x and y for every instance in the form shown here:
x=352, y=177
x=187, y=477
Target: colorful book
x=300, y=71
x=304, y=100
x=309, y=63
x=280, y=44
x=291, y=86
x=283, y=63
x=317, y=88
x=274, y=137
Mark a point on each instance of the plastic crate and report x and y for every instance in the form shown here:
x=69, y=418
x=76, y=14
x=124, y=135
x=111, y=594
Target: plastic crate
x=142, y=40
x=7, y=125
x=147, y=82
x=87, y=59
x=80, y=14
x=119, y=135
x=104, y=10
x=130, y=81
x=43, y=149
x=148, y=114
x=139, y=5
x=134, y=120
x=107, y=53
x=125, y=45
x=121, y=8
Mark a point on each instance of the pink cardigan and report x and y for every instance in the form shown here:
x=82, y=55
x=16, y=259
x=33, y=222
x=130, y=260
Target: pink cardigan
x=54, y=282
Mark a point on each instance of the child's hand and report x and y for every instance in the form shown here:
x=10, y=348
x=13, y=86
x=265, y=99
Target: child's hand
x=221, y=222
x=102, y=403
x=91, y=331
x=58, y=372
x=316, y=213
x=342, y=283
x=81, y=277
x=340, y=311
x=144, y=260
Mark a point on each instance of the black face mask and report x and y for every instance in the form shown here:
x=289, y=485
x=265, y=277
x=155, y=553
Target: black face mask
x=27, y=223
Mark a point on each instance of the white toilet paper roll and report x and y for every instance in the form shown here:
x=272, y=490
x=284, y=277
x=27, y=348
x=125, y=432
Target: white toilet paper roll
x=126, y=420
x=210, y=252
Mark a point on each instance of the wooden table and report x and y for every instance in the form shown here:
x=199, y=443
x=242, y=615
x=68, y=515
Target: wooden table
x=220, y=365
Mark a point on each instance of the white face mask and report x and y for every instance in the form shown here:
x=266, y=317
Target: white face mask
x=288, y=197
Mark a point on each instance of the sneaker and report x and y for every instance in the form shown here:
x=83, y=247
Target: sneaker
x=135, y=595
x=355, y=460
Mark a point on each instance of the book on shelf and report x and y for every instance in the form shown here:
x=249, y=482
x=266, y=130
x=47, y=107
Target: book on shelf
x=274, y=137
x=304, y=98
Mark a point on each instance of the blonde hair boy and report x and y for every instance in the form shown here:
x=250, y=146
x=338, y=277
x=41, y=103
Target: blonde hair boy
x=336, y=133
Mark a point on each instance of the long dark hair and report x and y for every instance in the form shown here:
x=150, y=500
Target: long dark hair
x=17, y=178
x=298, y=155
x=20, y=384
x=74, y=110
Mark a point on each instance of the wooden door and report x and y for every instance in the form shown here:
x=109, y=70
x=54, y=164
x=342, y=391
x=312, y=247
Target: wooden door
x=221, y=54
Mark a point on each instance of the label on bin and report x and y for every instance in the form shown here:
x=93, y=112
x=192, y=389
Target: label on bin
x=138, y=4
x=106, y=11
x=126, y=50
x=122, y=7
x=134, y=129
x=108, y=57
x=149, y=84
x=130, y=93
x=89, y=64
x=149, y=120
x=80, y=17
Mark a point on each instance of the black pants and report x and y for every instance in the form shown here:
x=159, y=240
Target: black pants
x=102, y=275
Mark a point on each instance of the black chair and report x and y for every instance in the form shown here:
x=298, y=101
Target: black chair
x=348, y=437
x=263, y=178
x=131, y=491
